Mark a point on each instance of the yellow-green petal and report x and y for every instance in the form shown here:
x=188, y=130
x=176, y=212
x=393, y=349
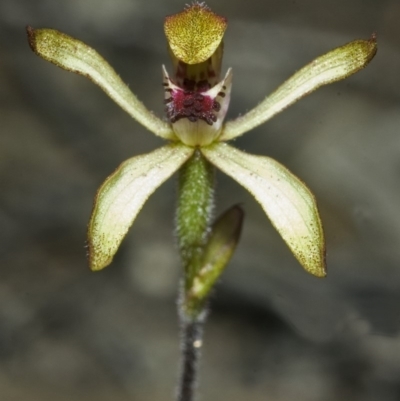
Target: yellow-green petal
x=331, y=67
x=122, y=195
x=286, y=200
x=73, y=55
x=195, y=33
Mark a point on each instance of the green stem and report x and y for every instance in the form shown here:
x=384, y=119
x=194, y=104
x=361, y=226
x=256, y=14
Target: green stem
x=195, y=204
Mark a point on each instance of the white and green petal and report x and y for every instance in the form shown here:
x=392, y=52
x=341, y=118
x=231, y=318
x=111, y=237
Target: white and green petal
x=73, y=55
x=122, y=195
x=333, y=66
x=286, y=200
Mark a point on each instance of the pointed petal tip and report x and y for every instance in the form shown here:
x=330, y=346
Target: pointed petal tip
x=93, y=264
x=100, y=252
x=372, y=47
x=356, y=55
x=322, y=273
x=310, y=254
x=313, y=256
x=317, y=267
x=31, y=37
x=97, y=261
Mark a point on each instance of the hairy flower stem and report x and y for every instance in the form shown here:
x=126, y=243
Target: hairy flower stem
x=192, y=333
x=195, y=204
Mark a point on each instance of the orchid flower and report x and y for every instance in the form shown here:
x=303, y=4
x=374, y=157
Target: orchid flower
x=196, y=101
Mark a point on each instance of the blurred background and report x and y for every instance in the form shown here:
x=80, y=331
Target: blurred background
x=274, y=332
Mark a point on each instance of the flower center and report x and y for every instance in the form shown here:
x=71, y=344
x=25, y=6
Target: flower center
x=191, y=101
x=196, y=109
